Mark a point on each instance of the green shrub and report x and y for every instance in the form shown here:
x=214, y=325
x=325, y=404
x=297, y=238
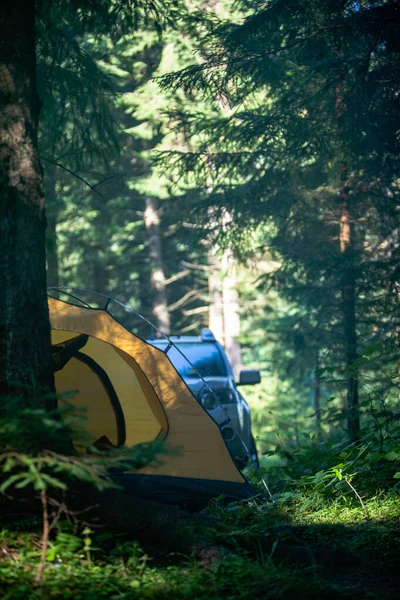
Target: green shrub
x=32, y=465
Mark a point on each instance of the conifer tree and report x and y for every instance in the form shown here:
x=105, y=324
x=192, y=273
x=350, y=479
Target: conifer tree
x=310, y=146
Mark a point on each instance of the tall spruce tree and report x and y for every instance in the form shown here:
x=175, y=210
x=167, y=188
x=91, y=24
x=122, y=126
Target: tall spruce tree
x=310, y=145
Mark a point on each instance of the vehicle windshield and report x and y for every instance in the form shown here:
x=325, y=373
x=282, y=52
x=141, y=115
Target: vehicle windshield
x=205, y=358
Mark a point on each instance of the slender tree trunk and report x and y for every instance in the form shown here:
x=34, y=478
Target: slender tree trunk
x=317, y=403
x=231, y=313
x=51, y=234
x=224, y=319
x=349, y=304
x=216, y=308
x=95, y=267
x=157, y=276
x=348, y=282
x=99, y=272
x=25, y=350
x=296, y=423
x=216, y=320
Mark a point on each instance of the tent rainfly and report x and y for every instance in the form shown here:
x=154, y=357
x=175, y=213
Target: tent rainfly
x=131, y=393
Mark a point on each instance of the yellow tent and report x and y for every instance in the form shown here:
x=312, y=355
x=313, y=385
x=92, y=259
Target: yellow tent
x=131, y=393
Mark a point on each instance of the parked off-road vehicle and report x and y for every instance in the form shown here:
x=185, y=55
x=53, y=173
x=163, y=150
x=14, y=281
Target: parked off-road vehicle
x=204, y=366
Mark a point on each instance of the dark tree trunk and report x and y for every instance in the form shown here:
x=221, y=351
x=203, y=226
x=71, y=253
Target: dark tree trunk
x=157, y=276
x=25, y=350
x=348, y=280
x=95, y=268
x=349, y=305
x=52, y=219
x=317, y=400
x=99, y=272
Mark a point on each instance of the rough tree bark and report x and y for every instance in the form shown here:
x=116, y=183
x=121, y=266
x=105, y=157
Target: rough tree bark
x=25, y=350
x=157, y=276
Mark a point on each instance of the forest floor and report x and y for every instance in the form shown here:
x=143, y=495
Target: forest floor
x=318, y=537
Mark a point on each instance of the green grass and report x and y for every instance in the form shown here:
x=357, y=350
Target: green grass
x=276, y=550
x=117, y=576
x=318, y=539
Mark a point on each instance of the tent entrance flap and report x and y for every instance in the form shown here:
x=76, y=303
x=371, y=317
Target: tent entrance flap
x=64, y=351
x=93, y=403
x=102, y=384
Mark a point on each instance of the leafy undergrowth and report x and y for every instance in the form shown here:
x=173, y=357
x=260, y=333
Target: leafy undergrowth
x=319, y=537
x=235, y=577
